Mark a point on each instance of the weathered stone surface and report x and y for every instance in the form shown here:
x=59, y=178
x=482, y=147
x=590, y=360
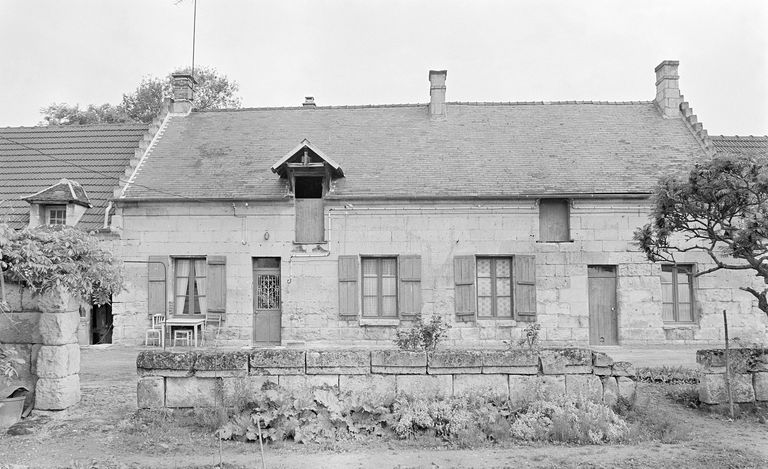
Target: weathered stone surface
x=522, y=388
x=759, y=361
x=425, y=385
x=277, y=362
x=304, y=384
x=142, y=372
x=584, y=387
x=377, y=388
x=566, y=361
x=623, y=369
x=57, y=301
x=150, y=393
x=348, y=362
x=398, y=362
x=712, y=361
x=712, y=388
x=59, y=328
x=760, y=385
x=193, y=392
x=627, y=387
x=242, y=389
x=445, y=362
x=58, y=361
x=610, y=391
x=602, y=370
x=221, y=361
x=57, y=393
x=495, y=385
x=20, y=328
x=549, y=386
x=164, y=363
x=601, y=359
x=517, y=362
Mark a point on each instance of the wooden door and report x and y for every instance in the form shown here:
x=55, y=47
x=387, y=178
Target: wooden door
x=266, y=301
x=603, y=319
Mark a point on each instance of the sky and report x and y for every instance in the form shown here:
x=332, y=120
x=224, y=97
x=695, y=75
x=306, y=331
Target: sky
x=346, y=52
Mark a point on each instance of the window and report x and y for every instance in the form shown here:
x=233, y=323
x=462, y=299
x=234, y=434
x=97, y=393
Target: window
x=380, y=287
x=494, y=287
x=190, y=285
x=554, y=223
x=56, y=214
x=677, y=292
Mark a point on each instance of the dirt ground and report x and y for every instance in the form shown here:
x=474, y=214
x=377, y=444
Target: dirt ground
x=102, y=432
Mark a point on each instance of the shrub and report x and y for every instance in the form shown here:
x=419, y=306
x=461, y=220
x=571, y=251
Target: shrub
x=422, y=335
x=530, y=336
x=668, y=375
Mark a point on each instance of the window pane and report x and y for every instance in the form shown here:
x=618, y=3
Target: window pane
x=666, y=274
x=389, y=305
x=483, y=267
x=389, y=286
x=484, y=306
x=668, y=312
x=503, y=287
x=502, y=267
x=369, y=267
x=483, y=286
x=684, y=312
x=683, y=293
x=666, y=293
x=504, y=306
x=388, y=267
x=370, y=286
x=370, y=306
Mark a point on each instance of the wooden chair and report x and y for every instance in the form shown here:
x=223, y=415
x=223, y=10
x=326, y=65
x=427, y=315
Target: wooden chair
x=212, y=318
x=182, y=335
x=153, y=333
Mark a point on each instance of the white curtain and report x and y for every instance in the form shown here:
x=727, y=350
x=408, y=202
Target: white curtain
x=182, y=284
x=200, y=278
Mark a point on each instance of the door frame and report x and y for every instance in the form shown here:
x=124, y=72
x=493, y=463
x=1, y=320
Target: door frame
x=614, y=308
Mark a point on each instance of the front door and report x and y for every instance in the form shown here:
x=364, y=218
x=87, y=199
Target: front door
x=603, y=320
x=266, y=301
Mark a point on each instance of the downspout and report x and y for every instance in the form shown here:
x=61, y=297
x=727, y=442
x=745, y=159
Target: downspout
x=106, y=215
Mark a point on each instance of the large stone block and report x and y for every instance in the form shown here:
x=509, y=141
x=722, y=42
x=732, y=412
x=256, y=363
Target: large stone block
x=712, y=389
x=625, y=369
x=398, y=362
x=339, y=362
x=627, y=388
x=57, y=301
x=58, y=361
x=277, y=362
x=242, y=389
x=57, y=393
x=759, y=360
x=165, y=363
x=584, y=387
x=376, y=388
x=447, y=362
x=712, y=361
x=566, y=361
x=59, y=328
x=550, y=386
x=20, y=328
x=304, y=384
x=760, y=385
x=488, y=385
x=426, y=386
x=515, y=362
x=601, y=359
x=610, y=391
x=150, y=393
x=193, y=392
x=214, y=364
x=522, y=388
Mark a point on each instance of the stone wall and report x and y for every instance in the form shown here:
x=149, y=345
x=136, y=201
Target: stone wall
x=749, y=375
x=211, y=378
x=43, y=330
x=601, y=231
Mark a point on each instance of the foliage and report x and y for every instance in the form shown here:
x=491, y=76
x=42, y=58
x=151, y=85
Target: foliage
x=530, y=336
x=720, y=209
x=668, y=375
x=422, y=335
x=213, y=91
x=9, y=361
x=43, y=258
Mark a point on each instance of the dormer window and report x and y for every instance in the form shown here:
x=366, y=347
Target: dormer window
x=63, y=203
x=56, y=215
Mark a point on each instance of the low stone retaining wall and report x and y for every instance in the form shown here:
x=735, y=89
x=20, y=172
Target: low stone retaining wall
x=211, y=378
x=749, y=375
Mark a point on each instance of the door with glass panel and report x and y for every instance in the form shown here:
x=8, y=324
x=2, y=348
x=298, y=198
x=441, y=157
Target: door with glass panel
x=266, y=301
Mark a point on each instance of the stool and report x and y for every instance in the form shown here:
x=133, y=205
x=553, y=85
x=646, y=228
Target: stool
x=152, y=335
x=181, y=336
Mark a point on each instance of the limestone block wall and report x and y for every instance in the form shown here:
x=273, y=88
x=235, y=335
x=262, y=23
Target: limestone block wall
x=212, y=378
x=43, y=330
x=749, y=375
x=601, y=232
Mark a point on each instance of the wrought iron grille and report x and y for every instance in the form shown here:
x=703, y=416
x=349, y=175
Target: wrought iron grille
x=268, y=291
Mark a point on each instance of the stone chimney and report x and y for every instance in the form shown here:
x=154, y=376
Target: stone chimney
x=309, y=101
x=668, y=97
x=437, y=93
x=183, y=86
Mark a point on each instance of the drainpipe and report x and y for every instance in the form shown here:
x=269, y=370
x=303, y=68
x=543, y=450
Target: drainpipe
x=106, y=215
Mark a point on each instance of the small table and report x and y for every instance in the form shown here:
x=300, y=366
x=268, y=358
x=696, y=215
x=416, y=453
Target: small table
x=181, y=321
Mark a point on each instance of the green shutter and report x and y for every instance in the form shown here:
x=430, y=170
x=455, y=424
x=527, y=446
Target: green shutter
x=348, y=277
x=524, y=277
x=217, y=284
x=409, y=294
x=464, y=291
x=157, y=291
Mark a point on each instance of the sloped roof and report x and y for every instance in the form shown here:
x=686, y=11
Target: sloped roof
x=95, y=156
x=736, y=144
x=479, y=150
x=64, y=191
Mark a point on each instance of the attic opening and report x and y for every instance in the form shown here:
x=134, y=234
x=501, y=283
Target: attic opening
x=309, y=187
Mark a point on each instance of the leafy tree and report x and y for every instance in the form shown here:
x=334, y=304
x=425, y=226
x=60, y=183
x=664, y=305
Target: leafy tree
x=213, y=91
x=721, y=209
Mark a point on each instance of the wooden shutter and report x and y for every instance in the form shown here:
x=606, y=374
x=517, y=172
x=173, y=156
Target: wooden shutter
x=524, y=278
x=157, y=290
x=464, y=292
x=217, y=284
x=310, y=221
x=348, y=303
x=554, y=223
x=409, y=294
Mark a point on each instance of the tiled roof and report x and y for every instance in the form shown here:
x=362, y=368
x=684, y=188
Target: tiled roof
x=93, y=155
x=64, y=191
x=735, y=144
x=479, y=150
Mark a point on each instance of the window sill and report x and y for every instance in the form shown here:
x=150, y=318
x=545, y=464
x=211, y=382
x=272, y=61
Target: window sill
x=555, y=242
x=393, y=322
x=680, y=325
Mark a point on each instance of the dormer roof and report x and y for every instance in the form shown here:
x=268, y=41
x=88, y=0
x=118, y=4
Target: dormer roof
x=305, y=154
x=63, y=192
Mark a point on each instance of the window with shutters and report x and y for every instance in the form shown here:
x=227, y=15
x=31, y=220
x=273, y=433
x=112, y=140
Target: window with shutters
x=677, y=293
x=494, y=287
x=554, y=221
x=379, y=287
x=187, y=285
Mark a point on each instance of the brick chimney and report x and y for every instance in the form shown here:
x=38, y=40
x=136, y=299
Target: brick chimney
x=309, y=101
x=437, y=93
x=668, y=97
x=183, y=84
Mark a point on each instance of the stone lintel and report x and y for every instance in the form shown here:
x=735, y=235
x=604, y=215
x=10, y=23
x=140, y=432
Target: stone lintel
x=351, y=362
x=214, y=360
x=277, y=361
x=166, y=360
x=398, y=362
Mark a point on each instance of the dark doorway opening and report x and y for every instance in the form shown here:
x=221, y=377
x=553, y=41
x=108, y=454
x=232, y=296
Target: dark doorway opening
x=101, y=324
x=308, y=187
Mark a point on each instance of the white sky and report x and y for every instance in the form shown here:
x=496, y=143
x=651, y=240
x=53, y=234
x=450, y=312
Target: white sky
x=379, y=51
